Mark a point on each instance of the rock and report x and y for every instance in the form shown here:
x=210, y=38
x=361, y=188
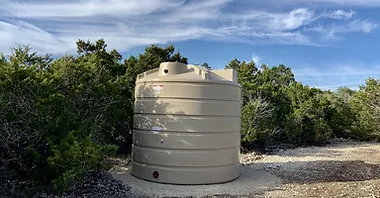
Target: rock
x=43, y=195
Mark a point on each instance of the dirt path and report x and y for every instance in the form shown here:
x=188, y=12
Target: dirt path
x=340, y=170
x=345, y=169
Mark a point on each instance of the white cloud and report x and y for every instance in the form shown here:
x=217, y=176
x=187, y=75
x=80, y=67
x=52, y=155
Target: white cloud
x=334, y=87
x=297, y=18
x=24, y=33
x=337, y=75
x=340, y=14
x=256, y=59
x=339, y=72
x=326, y=3
x=331, y=31
x=42, y=9
x=361, y=26
x=275, y=21
x=54, y=26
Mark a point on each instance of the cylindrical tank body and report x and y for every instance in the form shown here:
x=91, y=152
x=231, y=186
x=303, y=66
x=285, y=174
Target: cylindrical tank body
x=186, y=125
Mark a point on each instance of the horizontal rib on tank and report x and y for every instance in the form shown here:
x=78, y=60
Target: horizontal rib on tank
x=188, y=129
x=184, y=123
x=200, y=90
x=189, y=141
x=187, y=107
x=186, y=175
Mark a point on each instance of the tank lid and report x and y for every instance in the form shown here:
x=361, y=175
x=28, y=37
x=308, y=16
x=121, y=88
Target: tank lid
x=181, y=72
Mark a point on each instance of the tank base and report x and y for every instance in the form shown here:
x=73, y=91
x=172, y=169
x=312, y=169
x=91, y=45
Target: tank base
x=185, y=175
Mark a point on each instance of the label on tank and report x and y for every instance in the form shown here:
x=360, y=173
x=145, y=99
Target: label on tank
x=156, y=129
x=157, y=88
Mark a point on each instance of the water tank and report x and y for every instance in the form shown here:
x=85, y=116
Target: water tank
x=186, y=125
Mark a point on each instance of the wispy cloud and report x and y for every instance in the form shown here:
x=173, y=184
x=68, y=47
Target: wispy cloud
x=21, y=32
x=54, y=26
x=256, y=59
x=340, y=14
x=297, y=18
x=337, y=75
x=361, y=26
x=327, y=3
x=334, y=87
x=331, y=31
x=70, y=9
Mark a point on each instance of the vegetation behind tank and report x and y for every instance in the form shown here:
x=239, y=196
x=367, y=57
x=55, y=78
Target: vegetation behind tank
x=62, y=117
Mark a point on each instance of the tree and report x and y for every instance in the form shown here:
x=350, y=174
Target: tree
x=153, y=56
x=108, y=60
x=19, y=90
x=205, y=65
x=343, y=115
x=263, y=91
x=366, y=104
x=246, y=78
x=21, y=56
x=60, y=119
x=256, y=122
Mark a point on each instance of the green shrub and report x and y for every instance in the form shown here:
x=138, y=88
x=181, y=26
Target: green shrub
x=74, y=156
x=256, y=121
x=21, y=140
x=60, y=119
x=366, y=104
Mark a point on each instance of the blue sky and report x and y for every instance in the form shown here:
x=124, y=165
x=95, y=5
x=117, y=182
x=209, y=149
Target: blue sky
x=327, y=43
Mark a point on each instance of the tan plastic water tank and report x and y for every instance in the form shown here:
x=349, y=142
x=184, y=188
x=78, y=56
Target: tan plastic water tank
x=186, y=125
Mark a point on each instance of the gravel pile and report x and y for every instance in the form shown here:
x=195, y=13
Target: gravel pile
x=12, y=187
x=95, y=185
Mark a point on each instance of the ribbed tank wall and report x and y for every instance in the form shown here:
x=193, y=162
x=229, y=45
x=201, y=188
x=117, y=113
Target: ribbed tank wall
x=186, y=131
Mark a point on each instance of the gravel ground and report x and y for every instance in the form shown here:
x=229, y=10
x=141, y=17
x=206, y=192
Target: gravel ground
x=95, y=185
x=251, y=182
x=342, y=169
x=345, y=169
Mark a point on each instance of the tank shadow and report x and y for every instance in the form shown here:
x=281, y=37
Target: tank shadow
x=158, y=108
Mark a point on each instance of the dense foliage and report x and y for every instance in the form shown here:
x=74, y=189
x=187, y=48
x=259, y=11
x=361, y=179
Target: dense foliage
x=276, y=109
x=60, y=118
